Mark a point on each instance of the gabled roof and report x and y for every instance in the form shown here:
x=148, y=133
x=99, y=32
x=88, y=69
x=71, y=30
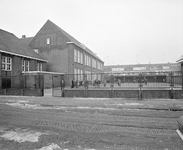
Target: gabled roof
x=72, y=39
x=10, y=44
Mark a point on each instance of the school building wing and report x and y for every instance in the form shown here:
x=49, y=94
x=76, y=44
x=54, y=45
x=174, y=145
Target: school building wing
x=64, y=53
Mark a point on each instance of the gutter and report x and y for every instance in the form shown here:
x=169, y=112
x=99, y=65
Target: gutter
x=22, y=55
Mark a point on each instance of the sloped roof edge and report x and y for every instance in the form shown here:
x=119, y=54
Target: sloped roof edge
x=2, y=51
x=84, y=49
x=180, y=60
x=73, y=40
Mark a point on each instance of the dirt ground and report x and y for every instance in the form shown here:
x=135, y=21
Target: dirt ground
x=54, y=123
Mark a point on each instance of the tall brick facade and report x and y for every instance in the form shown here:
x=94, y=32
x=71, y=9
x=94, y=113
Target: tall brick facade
x=61, y=50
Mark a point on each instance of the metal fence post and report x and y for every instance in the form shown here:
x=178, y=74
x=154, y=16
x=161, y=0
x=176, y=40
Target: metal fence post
x=171, y=86
x=140, y=87
x=86, y=84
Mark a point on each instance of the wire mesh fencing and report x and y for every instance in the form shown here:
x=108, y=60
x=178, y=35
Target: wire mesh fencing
x=118, y=81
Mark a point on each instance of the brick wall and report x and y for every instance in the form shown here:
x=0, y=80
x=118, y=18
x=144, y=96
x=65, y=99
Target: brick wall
x=147, y=94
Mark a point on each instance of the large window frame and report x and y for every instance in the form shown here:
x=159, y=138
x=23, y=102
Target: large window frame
x=27, y=65
x=6, y=63
x=39, y=66
x=23, y=65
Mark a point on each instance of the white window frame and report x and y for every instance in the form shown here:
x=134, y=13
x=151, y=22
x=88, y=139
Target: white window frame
x=27, y=65
x=75, y=55
x=40, y=67
x=37, y=66
x=6, y=63
x=23, y=65
x=3, y=66
x=78, y=53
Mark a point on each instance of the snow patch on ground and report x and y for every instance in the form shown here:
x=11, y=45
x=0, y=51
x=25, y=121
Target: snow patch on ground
x=126, y=104
x=20, y=135
x=90, y=98
x=133, y=104
x=23, y=105
x=36, y=106
x=82, y=107
x=51, y=147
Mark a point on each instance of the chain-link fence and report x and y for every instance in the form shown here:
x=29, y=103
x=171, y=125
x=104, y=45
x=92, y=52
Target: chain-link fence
x=117, y=81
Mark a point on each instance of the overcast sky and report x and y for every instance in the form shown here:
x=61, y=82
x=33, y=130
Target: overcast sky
x=119, y=31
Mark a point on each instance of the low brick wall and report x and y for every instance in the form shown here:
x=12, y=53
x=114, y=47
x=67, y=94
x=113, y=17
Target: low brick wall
x=22, y=92
x=146, y=94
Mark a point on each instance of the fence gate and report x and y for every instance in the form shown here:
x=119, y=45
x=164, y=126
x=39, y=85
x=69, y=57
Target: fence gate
x=56, y=85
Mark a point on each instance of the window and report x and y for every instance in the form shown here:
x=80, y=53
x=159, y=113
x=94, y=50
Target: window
x=89, y=61
x=23, y=65
x=75, y=55
x=3, y=63
x=98, y=65
x=78, y=57
x=81, y=75
x=6, y=63
x=81, y=58
x=78, y=72
x=59, y=40
x=36, y=50
x=85, y=60
x=75, y=74
x=48, y=41
x=39, y=67
x=94, y=65
x=27, y=65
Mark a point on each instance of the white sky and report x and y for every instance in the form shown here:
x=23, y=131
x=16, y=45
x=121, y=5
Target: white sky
x=119, y=31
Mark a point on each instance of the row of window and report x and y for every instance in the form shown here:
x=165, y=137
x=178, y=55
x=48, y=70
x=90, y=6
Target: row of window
x=78, y=75
x=78, y=57
x=141, y=68
x=25, y=66
x=7, y=64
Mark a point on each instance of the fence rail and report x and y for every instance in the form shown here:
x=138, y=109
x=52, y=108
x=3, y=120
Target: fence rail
x=117, y=81
x=125, y=80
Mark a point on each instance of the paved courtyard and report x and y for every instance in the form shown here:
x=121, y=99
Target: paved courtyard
x=55, y=123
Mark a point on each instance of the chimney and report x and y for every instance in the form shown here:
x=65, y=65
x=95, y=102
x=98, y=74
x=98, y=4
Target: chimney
x=23, y=36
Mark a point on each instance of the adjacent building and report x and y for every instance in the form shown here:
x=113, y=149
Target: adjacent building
x=15, y=60
x=152, y=72
x=136, y=68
